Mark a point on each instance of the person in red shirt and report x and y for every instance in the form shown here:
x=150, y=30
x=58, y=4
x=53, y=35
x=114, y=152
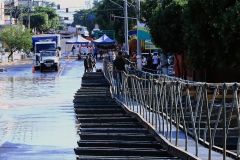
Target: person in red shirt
x=134, y=57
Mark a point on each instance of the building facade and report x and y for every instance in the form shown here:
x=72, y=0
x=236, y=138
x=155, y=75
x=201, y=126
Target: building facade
x=1, y=12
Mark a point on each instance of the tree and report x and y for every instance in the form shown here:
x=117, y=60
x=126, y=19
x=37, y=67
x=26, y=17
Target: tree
x=103, y=11
x=38, y=20
x=147, y=10
x=212, y=33
x=84, y=17
x=16, y=38
x=166, y=28
x=43, y=18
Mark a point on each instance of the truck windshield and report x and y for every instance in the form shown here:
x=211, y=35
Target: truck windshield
x=40, y=47
x=46, y=54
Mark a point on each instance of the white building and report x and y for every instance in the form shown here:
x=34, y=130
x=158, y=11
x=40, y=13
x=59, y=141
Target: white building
x=32, y=2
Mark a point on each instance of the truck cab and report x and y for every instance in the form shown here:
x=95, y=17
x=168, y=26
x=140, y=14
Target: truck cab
x=49, y=59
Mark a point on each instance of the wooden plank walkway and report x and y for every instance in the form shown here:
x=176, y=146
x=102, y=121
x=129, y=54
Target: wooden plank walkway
x=202, y=151
x=109, y=129
x=106, y=130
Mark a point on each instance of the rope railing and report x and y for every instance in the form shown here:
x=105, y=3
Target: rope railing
x=208, y=112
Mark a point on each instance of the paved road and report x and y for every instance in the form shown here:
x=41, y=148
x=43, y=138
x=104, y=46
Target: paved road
x=37, y=119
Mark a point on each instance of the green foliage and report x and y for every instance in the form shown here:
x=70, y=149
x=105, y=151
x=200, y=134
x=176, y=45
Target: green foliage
x=16, y=38
x=208, y=30
x=60, y=27
x=212, y=33
x=166, y=27
x=147, y=10
x=82, y=17
x=43, y=18
x=103, y=17
x=39, y=20
x=53, y=23
x=51, y=12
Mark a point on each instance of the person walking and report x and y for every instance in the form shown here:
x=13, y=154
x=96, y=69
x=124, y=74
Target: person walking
x=144, y=61
x=95, y=52
x=101, y=54
x=110, y=55
x=73, y=49
x=77, y=49
x=134, y=57
x=86, y=66
x=94, y=63
x=149, y=61
x=119, y=65
x=90, y=64
x=155, y=60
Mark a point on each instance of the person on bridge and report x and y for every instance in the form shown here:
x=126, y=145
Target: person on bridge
x=110, y=55
x=94, y=63
x=119, y=65
x=86, y=66
x=90, y=63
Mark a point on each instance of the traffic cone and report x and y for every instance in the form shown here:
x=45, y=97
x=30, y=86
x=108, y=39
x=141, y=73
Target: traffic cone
x=33, y=69
x=68, y=57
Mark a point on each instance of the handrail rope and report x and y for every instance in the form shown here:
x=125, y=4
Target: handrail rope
x=160, y=103
x=236, y=102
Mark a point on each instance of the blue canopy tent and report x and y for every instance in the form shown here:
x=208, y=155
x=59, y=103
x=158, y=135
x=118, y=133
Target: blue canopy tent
x=104, y=40
x=78, y=40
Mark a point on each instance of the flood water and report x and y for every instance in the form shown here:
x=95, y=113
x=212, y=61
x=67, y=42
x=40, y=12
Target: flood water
x=37, y=119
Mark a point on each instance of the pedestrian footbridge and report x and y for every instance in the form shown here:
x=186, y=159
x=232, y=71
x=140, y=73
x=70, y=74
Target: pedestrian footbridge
x=138, y=115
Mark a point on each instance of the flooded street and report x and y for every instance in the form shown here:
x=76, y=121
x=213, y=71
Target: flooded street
x=37, y=118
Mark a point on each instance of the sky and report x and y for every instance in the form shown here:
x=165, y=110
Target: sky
x=72, y=4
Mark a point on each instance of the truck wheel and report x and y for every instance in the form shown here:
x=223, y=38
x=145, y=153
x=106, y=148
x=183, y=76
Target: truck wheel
x=56, y=68
x=41, y=69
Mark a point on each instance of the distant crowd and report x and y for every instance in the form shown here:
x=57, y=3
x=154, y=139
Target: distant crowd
x=150, y=62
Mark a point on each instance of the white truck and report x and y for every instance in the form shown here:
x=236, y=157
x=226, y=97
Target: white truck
x=79, y=29
x=47, y=51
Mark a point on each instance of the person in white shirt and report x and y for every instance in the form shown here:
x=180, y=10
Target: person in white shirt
x=155, y=60
x=144, y=61
x=77, y=49
x=110, y=54
x=82, y=51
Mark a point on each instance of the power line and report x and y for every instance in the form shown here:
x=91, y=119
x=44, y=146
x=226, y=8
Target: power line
x=106, y=10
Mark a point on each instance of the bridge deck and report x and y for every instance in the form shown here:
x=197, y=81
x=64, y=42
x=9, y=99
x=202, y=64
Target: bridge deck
x=108, y=129
x=202, y=151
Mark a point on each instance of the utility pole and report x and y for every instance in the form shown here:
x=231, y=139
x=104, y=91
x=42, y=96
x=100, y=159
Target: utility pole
x=126, y=26
x=21, y=18
x=139, y=56
x=28, y=14
x=11, y=16
x=11, y=4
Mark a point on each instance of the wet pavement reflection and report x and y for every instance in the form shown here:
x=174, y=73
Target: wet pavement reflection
x=37, y=119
